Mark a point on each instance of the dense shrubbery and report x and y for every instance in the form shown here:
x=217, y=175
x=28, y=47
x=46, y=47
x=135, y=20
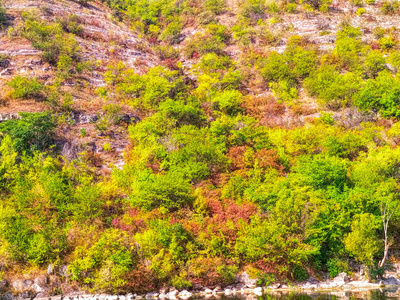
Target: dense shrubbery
x=34, y=131
x=207, y=190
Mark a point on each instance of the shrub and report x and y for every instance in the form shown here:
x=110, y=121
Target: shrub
x=361, y=241
x=34, y=131
x=387, y=43
x=172, y=33
x=25, y=88
x=360, y=11
x=390, y=7
x=229, y=101
x=50, y=38
x=104, y=262
x=215, y=6
x=202, y=44
x=331, y=87
x=349, y=47
x=381, y=94
x=374, y=63
x=3, y=17
x=152, y=191
x=70, y=24
x=318, y=4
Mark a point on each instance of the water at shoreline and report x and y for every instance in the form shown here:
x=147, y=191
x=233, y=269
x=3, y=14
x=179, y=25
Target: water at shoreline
x=378, y=294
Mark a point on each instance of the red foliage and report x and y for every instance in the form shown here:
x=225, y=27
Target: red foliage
x=268, y=158
x=133, y=212
x=266, y=109
x=229, y=210
x=171, y=63
x=141, y=280
x=236, y=155
x=266, y=266
x=195, y=55
x=153, y=40
x=236, y=212
x=205, y=272
x=375, y=45
x=116, y=223
x=211, y=279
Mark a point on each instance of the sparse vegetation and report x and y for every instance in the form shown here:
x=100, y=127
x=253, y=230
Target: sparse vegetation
x=24, y=88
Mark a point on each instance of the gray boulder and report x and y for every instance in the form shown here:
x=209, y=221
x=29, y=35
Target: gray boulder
x=7, y=296
x=3, y=284
x=391, y=281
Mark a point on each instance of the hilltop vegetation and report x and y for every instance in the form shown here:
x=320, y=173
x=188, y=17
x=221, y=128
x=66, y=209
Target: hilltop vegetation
x=284, y=164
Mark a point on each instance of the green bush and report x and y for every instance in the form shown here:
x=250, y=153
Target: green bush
x=332, y=88
x=3, y=17
x=34, y=131
x=374, y=63
x=381, y=94
x=361, y=241
x=229, y=102
x=104, y=263
x=152, y=191
x=25, y=88
x=172, y=32
x=202, y=44
x=50, y=38
x=390, y=7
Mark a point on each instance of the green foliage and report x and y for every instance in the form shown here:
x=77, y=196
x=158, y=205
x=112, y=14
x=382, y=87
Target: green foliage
x=362, y=241
x=25, y=88
x=381, y=94
x=50, y=38
x=336, y=266
x=201, y=44
x=3, y=16
x=374, y=63
x=332, y=88
x=390, y=7
x=219, y=175
x=152, y=191
x=229, y=102
x=349, y=47
x=34, y=131
x=108, y=259
x=284, y=71
x=146, y=91
x=172, y=32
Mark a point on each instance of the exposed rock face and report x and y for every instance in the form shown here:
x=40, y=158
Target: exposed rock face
x=245, y=279
x=341, y=279
x=391, y=281
x=3, y=284
x=22, y=285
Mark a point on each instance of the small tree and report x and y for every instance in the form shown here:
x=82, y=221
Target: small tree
x=361, y=242
x=388, y=207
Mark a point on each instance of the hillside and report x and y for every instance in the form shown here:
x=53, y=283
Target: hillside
x=194, y=144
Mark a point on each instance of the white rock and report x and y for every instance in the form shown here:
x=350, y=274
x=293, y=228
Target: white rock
x=151, y=295
x=227, y=291
x=245, y=279
x=208, y=291
x=185, y=294
x=258, y=291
